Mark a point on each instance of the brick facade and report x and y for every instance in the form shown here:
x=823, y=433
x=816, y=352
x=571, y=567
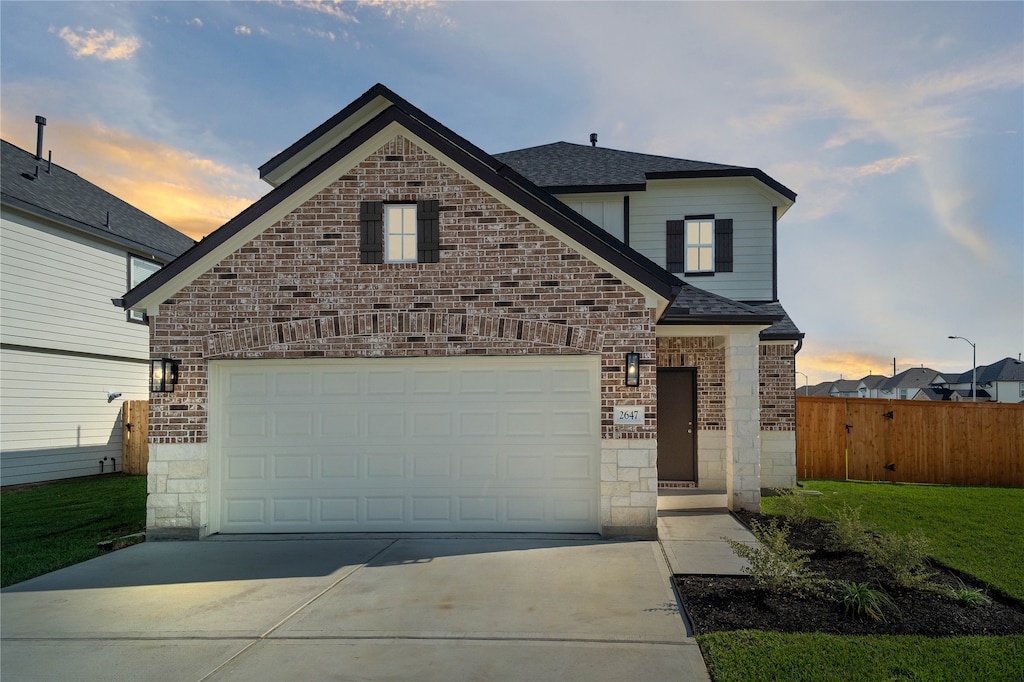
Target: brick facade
x=503, y=286
x=707, y=355
x=778, y=392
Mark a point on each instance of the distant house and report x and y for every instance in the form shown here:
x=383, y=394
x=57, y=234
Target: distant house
x=868, y=387
x=906, y=384
x=69, y=358
x=822, y=390
x=844, y=388
x=1000, y=382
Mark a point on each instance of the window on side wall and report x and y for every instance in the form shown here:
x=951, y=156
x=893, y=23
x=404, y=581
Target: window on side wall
x=139, y=270
x=405, y=232
x=699, y=245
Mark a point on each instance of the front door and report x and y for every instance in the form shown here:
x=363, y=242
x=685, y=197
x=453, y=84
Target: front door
x=677, y=424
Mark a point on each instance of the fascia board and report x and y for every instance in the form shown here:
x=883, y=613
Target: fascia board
x=651, y=298
x=151, y=303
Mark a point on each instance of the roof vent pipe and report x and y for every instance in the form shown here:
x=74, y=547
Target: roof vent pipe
x=40, y=122
x=593, y=137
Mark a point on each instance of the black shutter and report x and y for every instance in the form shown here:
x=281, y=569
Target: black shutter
x=723, y=245
x=371, y=232
x=428, y=246
x=675, y=250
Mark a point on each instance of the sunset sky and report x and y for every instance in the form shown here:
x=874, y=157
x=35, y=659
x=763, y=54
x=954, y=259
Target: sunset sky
x=898, y=125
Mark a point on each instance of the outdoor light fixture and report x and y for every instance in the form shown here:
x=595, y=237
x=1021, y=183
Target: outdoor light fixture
x=632, y=369
x=163, y=375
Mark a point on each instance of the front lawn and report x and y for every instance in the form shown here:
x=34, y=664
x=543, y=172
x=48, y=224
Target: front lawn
x=975, y=530
x=979, y=531
x=57, y=524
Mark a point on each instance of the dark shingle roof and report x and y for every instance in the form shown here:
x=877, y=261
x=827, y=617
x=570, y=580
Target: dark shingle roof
x=694, y=305
x=874, y=380
x=1006, y=369
x=915, y=377
x=566, y=167
x=69, y=199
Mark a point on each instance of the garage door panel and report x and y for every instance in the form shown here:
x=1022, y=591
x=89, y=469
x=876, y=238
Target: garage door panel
x=430, y=444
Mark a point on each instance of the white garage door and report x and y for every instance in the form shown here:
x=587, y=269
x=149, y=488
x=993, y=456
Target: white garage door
x=406, y=444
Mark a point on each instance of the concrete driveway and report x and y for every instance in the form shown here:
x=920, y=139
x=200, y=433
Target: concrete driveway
x=344, y=608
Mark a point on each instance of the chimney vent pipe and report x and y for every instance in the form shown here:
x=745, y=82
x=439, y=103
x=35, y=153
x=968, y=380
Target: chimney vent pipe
x=40, y=122
x=593, y=139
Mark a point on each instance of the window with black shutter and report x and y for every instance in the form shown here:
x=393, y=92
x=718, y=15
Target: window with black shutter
x=399, y=232
x=699, y=245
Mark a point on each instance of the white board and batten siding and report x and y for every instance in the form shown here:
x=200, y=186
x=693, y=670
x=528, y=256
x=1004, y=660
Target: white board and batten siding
x=65, y=347
x=741, y=199
x=406, y=444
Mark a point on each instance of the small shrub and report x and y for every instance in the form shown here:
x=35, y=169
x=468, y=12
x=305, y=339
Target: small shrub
x=969, y=596
x=792, y=505
x=849, y=533
x=773, y=564
x=903, y=555
x=863, y=601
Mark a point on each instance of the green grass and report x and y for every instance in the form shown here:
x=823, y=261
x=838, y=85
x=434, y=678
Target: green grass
x=979, y=531
x=57, y=524
x=750, y=655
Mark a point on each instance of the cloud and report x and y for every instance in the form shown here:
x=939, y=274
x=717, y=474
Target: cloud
x=105, y=46
x=187, y=191
x=243, y=31
x=317, y=33
x=332, y=8
x=195, y=21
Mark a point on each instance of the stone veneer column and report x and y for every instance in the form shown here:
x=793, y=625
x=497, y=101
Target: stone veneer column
x=742, y=421
x=629, y=487
x=178, y=483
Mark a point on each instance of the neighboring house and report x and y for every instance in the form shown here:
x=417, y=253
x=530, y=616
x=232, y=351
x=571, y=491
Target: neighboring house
x=906, y=384
x=1000, y=382
x=845, y=388
x=67, y=358
x=822, y=390
x=868, y=387
x=408, y=333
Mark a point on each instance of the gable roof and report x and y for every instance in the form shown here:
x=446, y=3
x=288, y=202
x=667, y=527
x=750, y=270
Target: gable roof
x=873, y=380
x=698, y=306
x=380, y=112
x=915, y=377
x=564, y=167
x=55, y=193
x=1006, y=369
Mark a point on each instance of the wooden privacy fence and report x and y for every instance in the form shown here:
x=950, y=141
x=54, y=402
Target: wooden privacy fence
x=910, y=441
x=135, y=436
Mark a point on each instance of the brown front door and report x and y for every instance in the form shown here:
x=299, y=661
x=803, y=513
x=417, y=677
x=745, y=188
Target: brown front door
x=677, y=424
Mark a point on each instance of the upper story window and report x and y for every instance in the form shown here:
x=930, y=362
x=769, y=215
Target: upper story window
x=903, y=394
x=399, y=232
x=139, y=270
x=1022, y=389
x=699, y=245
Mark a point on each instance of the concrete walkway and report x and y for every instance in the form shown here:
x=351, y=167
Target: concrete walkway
x=367, y=608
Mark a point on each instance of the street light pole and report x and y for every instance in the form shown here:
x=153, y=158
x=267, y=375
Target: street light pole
x=805, y=380
x=974, y=368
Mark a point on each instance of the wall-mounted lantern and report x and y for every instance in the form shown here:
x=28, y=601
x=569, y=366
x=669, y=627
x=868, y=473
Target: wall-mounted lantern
x=632, y=369
x=163, y=375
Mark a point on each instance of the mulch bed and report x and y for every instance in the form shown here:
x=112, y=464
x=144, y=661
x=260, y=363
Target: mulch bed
x=721, y=603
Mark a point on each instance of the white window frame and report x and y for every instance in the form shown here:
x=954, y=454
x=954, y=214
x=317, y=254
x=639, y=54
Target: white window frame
x=134, y=280
x=704, y=249
x=400, y=229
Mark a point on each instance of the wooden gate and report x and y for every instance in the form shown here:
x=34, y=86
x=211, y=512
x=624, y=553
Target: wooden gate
x=135, y=436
